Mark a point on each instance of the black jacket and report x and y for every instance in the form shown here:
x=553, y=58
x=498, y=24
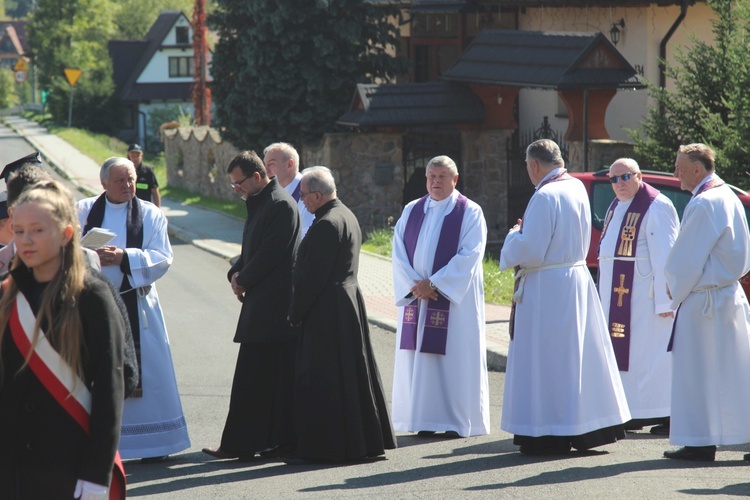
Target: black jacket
x=35, y=431
x=269, y=245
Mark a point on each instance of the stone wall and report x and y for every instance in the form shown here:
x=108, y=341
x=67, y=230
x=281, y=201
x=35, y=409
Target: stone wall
x=484, y=169
x=602, y=153
x=196, y=160
x=368, y=168
x=368, y=172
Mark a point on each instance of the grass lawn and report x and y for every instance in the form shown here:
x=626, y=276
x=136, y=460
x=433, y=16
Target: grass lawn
x=99, y=147
x=498, y=285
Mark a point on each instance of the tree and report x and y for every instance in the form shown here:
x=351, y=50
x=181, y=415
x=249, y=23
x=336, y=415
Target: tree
x=286, y=70
x=74, y=34
x=710, y=103
x=8, y=96
x=135, y=17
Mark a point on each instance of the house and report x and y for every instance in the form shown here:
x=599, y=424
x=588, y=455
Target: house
x=154, y=76
x=435, y=33
x=13, y=43
x=570, y=70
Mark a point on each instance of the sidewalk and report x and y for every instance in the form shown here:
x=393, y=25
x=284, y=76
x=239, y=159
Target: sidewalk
x=221, y=235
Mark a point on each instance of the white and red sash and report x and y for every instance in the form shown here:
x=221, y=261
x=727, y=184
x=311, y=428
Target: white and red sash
x=57, y=377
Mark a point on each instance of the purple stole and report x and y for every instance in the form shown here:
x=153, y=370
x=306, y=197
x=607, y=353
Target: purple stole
x=435, y=335
x=710, y=184
x=295, y=193
x=560, y=176
x=623, y=270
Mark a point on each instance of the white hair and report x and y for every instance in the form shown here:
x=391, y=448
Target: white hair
x=114, y=161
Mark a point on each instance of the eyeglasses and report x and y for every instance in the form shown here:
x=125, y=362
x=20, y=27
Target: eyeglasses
x=235, y=185
x=302, y=195
x=625, y=177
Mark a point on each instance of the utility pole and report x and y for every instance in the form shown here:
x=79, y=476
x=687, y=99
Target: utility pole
x=201, y=92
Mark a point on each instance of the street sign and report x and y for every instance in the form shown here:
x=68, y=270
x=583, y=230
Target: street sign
x=20, y=66
x=72, y=74
x=21, y=76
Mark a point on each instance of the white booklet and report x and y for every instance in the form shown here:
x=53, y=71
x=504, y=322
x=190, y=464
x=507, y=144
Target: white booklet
x=97, y=237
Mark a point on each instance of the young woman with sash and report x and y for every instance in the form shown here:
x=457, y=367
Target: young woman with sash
x=61, y=349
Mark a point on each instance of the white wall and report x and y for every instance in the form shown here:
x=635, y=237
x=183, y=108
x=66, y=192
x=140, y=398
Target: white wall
x=157, y=69
x=645, y=27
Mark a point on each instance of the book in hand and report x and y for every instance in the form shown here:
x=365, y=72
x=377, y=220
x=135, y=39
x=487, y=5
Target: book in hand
x=97, y=237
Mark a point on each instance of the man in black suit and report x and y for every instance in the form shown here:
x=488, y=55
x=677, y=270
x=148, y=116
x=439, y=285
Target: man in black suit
x=340, y=413
x=260, y=406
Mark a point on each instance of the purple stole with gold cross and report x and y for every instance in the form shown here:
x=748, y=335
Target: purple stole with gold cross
x=560, y=176
x=623, y=270
x=709, y=184
x=435, y=335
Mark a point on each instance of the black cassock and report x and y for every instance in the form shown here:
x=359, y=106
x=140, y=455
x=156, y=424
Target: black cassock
x=339, y=411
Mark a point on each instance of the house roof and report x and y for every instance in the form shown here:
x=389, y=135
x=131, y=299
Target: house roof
x=433, y=103
x=539, y=59
x=129, y=65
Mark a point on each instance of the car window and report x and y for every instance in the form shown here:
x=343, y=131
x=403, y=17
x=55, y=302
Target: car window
x=602, y=196
x=678, y=197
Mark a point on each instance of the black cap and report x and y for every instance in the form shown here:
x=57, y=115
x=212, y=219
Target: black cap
x=135, y=147
x=11, y=167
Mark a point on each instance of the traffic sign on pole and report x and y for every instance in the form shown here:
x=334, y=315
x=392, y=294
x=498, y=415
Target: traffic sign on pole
x=72, y=74
x=20, y=66
x=20, y=75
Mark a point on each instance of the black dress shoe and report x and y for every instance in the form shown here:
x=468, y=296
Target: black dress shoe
x=221, y=454
x=451, y=434
x=660, y=430
x=695, y=453
x=155, y=460
x=746, y=458
x=425, y=433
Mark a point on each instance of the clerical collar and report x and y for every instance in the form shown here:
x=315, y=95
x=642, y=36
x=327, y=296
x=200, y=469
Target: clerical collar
x=445, y=201
x=550, y=174
x=705, y=180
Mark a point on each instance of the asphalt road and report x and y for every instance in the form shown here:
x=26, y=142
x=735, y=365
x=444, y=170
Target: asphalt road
x=201, y=315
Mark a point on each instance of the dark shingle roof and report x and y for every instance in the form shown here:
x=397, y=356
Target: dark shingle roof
x=434, y=103
x=538, y=59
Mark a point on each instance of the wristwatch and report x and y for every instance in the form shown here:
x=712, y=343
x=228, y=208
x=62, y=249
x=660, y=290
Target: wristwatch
x=433, y=286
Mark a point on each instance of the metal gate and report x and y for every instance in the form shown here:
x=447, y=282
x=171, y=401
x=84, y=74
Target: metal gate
x=420, y=145
x=520, y=187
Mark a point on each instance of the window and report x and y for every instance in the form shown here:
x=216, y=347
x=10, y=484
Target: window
x=180, y=67
x=182, y=34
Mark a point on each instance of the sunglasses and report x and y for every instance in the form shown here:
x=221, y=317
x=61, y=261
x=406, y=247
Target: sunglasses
x=616, y=178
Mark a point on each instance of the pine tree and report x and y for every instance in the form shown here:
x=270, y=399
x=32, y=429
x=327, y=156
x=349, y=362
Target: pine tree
x=285, y=70
x=710, y=103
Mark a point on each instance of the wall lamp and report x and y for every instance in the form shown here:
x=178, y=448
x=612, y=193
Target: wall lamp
x=614, y=33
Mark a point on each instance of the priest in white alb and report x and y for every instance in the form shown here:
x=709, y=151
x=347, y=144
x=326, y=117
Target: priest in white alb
x=562, y=388
x=153, y=425
x=440, y=376
x=711, y=340
x=639, y=230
